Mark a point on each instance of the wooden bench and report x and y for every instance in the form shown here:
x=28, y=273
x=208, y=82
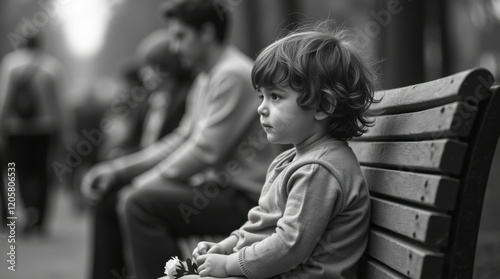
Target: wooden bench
x=426, y=161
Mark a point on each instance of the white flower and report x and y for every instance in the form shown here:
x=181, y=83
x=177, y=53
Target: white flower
x=171, y=266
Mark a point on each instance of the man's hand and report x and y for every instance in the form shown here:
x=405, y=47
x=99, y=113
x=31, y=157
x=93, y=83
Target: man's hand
x=206, y=247
x=147, y=178
x=212, y=265
x=97, y=181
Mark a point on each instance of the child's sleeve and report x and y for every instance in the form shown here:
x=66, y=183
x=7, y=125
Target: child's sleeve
x=314, y=197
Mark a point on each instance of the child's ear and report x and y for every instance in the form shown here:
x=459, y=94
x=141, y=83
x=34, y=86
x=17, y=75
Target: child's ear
x=320, y=115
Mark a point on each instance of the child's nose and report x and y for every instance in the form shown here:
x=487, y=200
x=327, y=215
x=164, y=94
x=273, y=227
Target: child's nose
x=263, y=110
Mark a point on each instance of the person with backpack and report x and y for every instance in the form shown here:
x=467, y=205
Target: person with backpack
x=32, y=122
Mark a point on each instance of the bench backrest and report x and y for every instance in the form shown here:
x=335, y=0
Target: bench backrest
x=426, y=161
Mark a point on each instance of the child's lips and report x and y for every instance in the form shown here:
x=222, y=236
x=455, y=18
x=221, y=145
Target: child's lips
x=265, y=125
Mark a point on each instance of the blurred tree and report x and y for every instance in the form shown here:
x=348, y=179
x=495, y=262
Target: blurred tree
x=403, y=45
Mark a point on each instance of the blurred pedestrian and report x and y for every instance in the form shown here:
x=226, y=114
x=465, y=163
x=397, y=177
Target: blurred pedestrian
x=33, y=119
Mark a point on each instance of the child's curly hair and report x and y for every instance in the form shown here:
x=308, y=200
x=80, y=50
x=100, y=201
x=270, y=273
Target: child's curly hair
x=326, y=68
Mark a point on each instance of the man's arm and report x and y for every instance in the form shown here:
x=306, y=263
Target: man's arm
x=136, y=163
x=231, y=109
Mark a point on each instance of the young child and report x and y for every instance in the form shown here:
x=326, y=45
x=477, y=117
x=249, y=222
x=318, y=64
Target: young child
x=313, y=213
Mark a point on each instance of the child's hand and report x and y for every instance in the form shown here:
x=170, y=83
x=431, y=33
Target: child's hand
x=212, y=265
x=205, y=247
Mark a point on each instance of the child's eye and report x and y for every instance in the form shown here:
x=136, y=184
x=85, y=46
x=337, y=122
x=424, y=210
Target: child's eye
x=260, y=96
x=274, y=97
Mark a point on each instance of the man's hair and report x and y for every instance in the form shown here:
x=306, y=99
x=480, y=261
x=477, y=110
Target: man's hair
x=324, y=66
x=154, y=50
x=196, y=13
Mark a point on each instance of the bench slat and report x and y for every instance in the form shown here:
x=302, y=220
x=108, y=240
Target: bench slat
x=443, y=155
x=374, y=270
x=451, y=120
x=472, y=83
x=431, y=190
x=421, y=225
x=404, y=257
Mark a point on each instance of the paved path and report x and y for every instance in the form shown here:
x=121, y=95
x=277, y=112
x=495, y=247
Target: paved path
x=62, y=254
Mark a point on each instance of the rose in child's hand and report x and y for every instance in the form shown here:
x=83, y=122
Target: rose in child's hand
x=175, y=268
x=171, y=266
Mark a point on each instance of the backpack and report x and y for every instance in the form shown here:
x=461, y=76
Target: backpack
x=24, y=96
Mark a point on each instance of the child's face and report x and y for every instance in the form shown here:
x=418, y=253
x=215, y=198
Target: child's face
x=282, y=118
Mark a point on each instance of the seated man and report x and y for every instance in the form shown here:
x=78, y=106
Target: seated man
x=219, y=147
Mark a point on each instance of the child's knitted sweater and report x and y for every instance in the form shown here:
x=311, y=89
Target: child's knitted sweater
x=312, y=218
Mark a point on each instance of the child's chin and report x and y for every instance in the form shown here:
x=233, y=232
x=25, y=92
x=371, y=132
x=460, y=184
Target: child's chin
x=275, y=140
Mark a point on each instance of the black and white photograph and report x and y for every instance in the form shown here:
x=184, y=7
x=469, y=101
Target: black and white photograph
x=260, y=139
